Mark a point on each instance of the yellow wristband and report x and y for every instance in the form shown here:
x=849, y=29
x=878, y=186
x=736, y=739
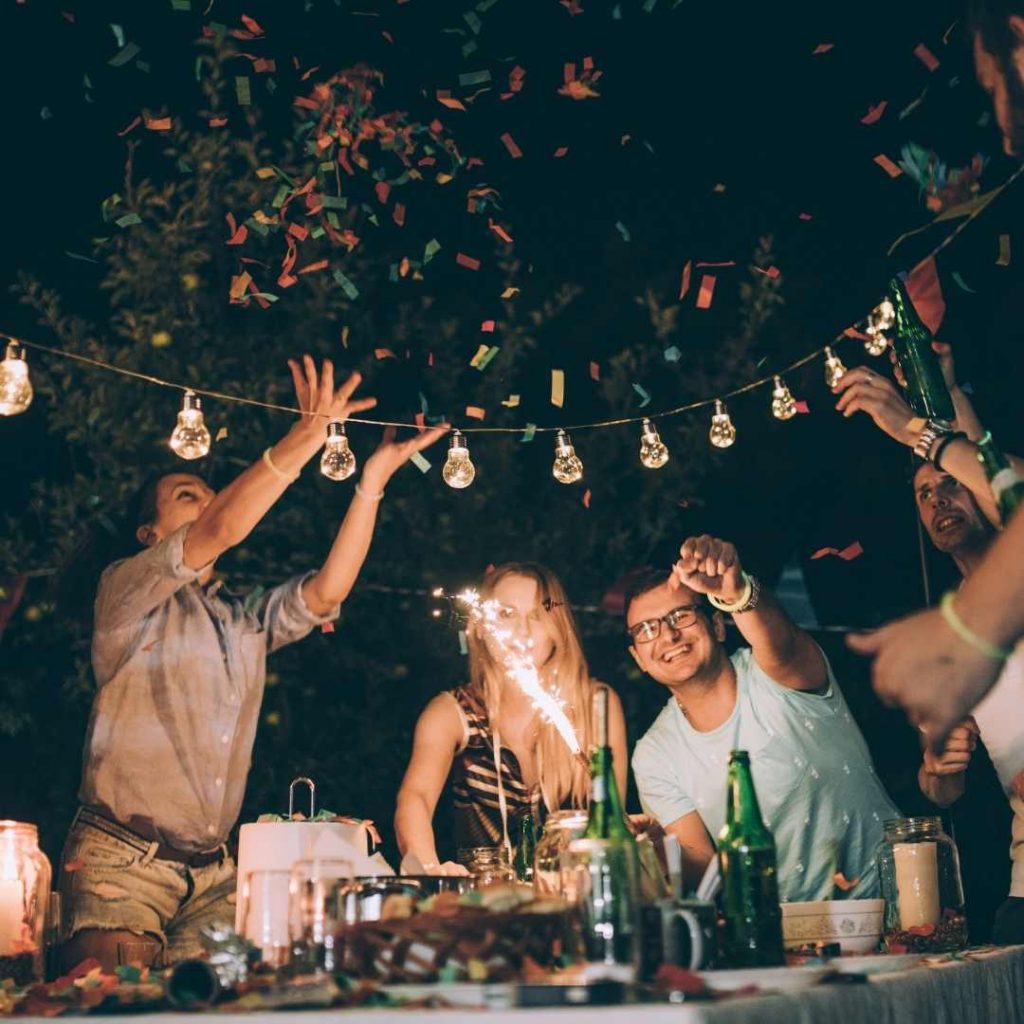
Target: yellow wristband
x=740, y=602
x=277, y=471
x=969, y=637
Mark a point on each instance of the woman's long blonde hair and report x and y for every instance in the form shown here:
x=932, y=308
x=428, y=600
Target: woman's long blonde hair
x=565, y=675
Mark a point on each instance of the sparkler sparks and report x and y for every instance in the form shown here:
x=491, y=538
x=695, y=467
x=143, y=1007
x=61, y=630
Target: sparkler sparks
x=519, y=666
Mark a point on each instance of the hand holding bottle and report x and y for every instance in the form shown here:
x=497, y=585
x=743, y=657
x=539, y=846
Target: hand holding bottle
x=863, y=390
x=708, y=565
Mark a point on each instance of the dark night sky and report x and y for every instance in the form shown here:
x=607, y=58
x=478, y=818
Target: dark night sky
x=726, y=93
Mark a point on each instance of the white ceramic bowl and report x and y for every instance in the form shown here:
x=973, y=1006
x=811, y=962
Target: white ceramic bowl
x=855, y=924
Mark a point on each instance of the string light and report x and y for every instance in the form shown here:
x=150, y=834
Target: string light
x=783, y=402
x=459, y=470
x=722, y=433
x=337, y=462
x=653, y=453
x=567, y=467
x=190, y=438
x=834, y=368
x=15, y=386
x=880, y=320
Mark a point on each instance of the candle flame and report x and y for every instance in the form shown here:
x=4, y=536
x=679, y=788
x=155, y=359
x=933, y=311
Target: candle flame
x=519, y=666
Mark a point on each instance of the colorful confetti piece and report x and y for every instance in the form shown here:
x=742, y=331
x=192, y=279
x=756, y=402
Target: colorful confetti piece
x=510, y=144
x=1004, y=251
x=874, y=113
x=467, y=261
x=419, y=462
x=926, y=57
x=684, y=284
x=558, y=388
x=847, y=554
x=707, y=291
x=888, y=166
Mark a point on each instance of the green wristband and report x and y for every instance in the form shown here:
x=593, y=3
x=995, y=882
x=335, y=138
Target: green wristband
x=969, y=637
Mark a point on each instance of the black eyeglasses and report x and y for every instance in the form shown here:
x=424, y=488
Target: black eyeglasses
x=650, y=629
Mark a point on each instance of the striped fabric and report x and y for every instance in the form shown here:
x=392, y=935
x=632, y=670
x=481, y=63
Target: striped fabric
x=475, y=781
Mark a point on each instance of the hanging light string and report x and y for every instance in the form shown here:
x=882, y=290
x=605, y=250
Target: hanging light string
x=702, y=403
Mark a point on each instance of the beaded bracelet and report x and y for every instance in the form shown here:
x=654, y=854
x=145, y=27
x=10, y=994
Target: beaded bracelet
x=969, y=637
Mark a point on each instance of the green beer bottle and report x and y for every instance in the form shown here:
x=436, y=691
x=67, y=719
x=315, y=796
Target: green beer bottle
x=750, y=889
x=522, y=864
x=912, y=344
x=607, y=819
x=1007, y=486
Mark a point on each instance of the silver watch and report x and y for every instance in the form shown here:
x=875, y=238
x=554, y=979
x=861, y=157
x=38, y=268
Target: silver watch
x=932, y=433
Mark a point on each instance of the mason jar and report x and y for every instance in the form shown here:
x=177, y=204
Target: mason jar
x=560, y=829
x=24, y=902
x=919, y=870
x=488, y=865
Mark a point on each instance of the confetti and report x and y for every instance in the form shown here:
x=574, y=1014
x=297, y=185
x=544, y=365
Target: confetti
x=383, y=353
x=127, y=220
x=586, y=498
x=483, y=357
x=528, y=433
x=926, y=57
x=558, y=388
x=346, y=285
x=623, y=230
x=509, y=292
x=474, y=77
x=707, y=290
x=772, y=272
x=874, y=113
x=846, y=554
x=684, y=284
x=510, y=144
x=822, y=48
x=222, y=433
x=672, y=354
x=719, y=188
x=801, y=406
x=561, y=151
x=311, y=267
x=721, y=263
x=326, y=627
x=419, y=462
x=805, y=216
x=474, y=412
x=595, y=371
x=499, y=230
x=432, y=248
x=445, y=98
x=398, y=214
x=645, y=397
x=1004, y=251
x=467, y=261
x=242, y=91
x=888, y=166
x=843, y=883
x=512, y=402
x=124, y=55
x=956, y=277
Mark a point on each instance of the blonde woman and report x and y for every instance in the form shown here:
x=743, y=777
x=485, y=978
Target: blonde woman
x=503, y=757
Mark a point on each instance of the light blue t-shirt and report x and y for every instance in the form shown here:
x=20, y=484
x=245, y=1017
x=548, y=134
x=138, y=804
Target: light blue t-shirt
x=815, y=782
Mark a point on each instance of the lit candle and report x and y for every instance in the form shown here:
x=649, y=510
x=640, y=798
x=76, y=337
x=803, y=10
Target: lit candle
x=12, y=900
x=917, y=882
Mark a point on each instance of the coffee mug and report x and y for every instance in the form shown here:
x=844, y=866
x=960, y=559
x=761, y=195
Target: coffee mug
x=678, y=932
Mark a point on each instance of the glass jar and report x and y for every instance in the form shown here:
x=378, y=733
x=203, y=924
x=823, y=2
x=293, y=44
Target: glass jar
x=24, y=901
x=488, y=865
x=919, y=870
x=560, y=829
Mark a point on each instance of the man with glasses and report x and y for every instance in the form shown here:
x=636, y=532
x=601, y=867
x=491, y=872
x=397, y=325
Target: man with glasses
x=776, y=699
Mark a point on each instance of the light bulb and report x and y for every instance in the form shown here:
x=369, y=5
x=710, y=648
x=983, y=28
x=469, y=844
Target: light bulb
x=653, y=453
x=883, y=316
x=722, y=433
x=337, y=461
x=834, y=368
x=567, y=467
x=190, y=439
x=15, y=386
x=783, y=403
x=876, y=342
x=459, y=470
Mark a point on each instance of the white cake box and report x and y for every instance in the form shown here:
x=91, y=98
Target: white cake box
x=269, y=850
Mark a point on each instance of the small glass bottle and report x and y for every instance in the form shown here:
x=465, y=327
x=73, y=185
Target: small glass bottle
x=488, y=865
x=24, y=901
x=919, y=871
x=560, y=829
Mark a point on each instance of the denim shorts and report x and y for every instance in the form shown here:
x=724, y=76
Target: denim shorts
x=111, y=879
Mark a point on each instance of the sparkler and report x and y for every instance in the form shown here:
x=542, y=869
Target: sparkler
x=515, y=657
